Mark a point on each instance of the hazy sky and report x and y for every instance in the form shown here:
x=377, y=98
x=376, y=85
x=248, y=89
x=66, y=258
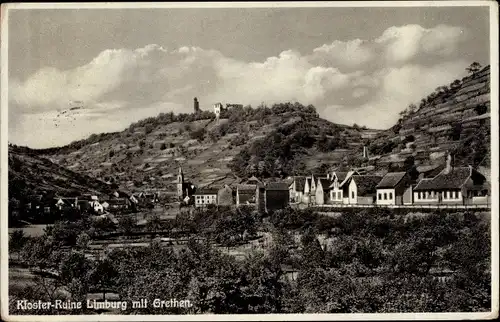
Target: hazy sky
x=356, y=65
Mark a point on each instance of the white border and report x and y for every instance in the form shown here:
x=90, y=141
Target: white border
x=254, y=317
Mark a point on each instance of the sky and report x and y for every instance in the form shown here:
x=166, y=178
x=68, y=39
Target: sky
x=355, y=65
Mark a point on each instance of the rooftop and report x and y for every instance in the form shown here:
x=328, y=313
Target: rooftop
x=366, y=184
x=300, y=182
x=391, y=179
x=454, y=179
x=277, y=186
x=206, y=191
x=246, y=187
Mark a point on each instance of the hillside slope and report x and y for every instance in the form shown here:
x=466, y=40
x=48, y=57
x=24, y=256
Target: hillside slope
x=148, y=154
x=454, y=118
x=31, y=174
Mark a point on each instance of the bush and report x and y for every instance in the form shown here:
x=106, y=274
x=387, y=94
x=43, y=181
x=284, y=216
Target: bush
x=198, y=134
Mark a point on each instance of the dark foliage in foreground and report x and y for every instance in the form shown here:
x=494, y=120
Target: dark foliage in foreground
x=376, y=260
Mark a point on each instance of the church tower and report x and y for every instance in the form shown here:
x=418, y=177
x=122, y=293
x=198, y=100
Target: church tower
x=180, y=184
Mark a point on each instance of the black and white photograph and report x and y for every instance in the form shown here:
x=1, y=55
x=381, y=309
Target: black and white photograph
x=249, y=161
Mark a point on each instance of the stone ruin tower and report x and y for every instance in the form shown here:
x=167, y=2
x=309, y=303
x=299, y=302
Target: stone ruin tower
x=196, y=105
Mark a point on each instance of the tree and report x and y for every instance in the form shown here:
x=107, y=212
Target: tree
x=473, y=68
x=17, y=241
x=412, y=108
x=103, y=276
x=82, y=241
x=74, y=272
x=153, y=224
x=126, y=224
x=455, y=84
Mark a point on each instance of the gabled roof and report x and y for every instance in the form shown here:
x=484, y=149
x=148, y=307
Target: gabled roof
x=391, y=179
x=366, y=184
x=277, y=186
x=300, y=183
x=246, y=188
x=206, y=191
x=430, y=171
x=325, y=182
x=340, y=175
x=348, y=177
x=253, y=180
x=117, y=201
x=454, y=179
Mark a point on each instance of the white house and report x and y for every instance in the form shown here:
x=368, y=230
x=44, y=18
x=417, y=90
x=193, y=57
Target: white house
x=336, y=192
x=296, y=189
x=391, y=188
x=322, y=191
x=204, y=197
x=362, y=189
x=309, y=190
x=453, y=185
x=105, y=205
x=97, y=206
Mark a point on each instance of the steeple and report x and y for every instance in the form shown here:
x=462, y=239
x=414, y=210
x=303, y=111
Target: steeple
x=180, y=175
x=449, y=165
x=180, y=184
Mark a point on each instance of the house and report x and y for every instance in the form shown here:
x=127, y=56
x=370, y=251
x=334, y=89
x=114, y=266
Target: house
x=361, y=189
x=253, y=180
x=148, y=197
x=246, y=194
x=339, y=187
x=14, y=207
x=87, y=202
x=429, y=171
x=63, y=203
x=392, y=187
x=133, y=199
x=33, y=203
x=335, y=190
x=453, y=185
x=225, y=196
x=309, y=195
x=98, y=207
x=277, y=195
x=117, y=204
x=296, y=189
x=105, y=205
x=205, y=196
x=322, y=193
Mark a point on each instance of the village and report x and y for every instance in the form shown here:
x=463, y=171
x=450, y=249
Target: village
x=424, y=186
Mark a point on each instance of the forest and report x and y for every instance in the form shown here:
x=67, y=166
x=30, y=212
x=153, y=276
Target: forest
x=376, y=260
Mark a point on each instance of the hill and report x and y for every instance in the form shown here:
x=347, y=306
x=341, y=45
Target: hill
x=454, y=118
x=147, y=155
x=31, y=174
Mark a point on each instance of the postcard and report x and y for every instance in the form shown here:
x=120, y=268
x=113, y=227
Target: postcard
x=249, y=161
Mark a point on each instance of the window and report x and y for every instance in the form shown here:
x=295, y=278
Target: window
x=385, y=195
x=339, y=195
x=424, y=194
x=334, y=195
x=352, y=195
x=379, y=196
x=390, y=195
